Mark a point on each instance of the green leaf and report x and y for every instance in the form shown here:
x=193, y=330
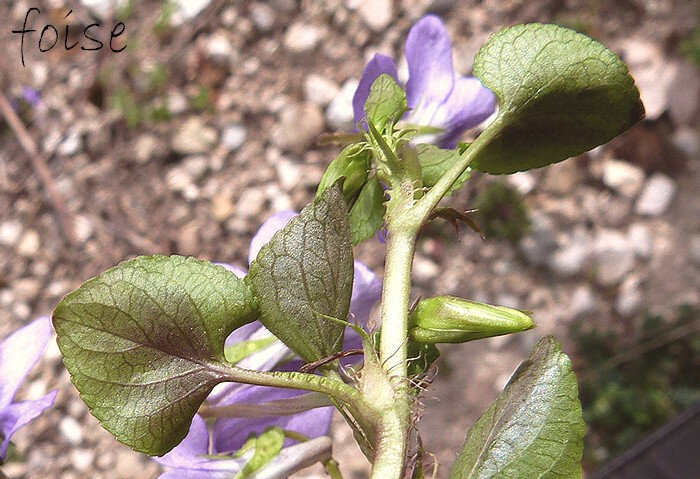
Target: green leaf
x=367, y=214
x=242, y=349
x=305, y=273
x=353, y=163
x=267, y=446
x=560, y=93
x=144, y=344
x=534, y=428
x=386, y=102
x=435, y=162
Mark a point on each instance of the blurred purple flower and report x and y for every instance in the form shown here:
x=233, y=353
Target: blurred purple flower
x=31, y=96
x=19, y=352
x=308, y=414
x=437, y=95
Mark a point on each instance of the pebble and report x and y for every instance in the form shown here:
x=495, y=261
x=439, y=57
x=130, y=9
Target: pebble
x=302, y=37
x=640, y=240
x=219, y=48
x=233, y=136
x=103, y=8
x=523, y=181
x=613, y=256
x=319, y=90
x=178, y=180
x=149, y=148
x=251, y=202
x=424, y=269
x=538, y=246
x=340, y=115
x=222, y=206
x=82, y=228
x=188, y=9
x=298, y=128
x=263, y=16
x=625, y=178
x=177, y=102
x=629, y=298
x=687, y=140
x=656, y=195
x=82, y=459
x=583, y=302
x=193, y=137
x=572, y=257
x=195, y=166
x=10, y=232
x=289, y=174
x=70, y=429
x=377, y=14
x=29, y=244
x=683, y=94
x=71, y=144
x=561, y=178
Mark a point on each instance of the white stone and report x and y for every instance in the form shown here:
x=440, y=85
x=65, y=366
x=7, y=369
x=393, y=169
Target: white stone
x=29, y=244
x=70, y=429
x=299, y=126
x=103, y=8
x=71, y=144
x=289, y=173
x=219, y=47
x=188, y=9
x=572, y=257
x=613, y=256
x=82, y=459
x=377, y=14
x=656, y=195
x=177, y=102
x=319, y=90
x=10, y=232
x=583, y=302
x=340, y=115
x=424, y=269
x=233, y=136
x=149, y=147
x=523, y=181
x=193, y=137
x=263, y=16
x=629, y=298
x=302, y=37
x=538, y=246
x=195, y=166
x=687, y=140
x=640, y=240
x=623, y=177
x=82, y=228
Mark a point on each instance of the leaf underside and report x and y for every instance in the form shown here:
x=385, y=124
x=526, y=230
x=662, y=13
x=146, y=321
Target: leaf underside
x=367, y=214
x=560, y=94
x=304, y=274
x=144, y=344
x=534, y=429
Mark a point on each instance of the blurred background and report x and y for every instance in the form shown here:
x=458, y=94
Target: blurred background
x=207, y=122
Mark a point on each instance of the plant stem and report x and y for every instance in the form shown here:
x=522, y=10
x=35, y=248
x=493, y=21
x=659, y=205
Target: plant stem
x=331, y=467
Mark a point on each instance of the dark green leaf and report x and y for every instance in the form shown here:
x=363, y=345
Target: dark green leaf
x=560, y=94
x=386, y=102
x=435, y=162
x=305, y=273
x=144, y=344
x=367, y=214
x=533, y=429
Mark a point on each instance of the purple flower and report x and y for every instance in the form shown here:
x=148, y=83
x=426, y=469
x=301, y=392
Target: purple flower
x=19, y=352
x=437, y=95
x=307, y=414
x=31, y=96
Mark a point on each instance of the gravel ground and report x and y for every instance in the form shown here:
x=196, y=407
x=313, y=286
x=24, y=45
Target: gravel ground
x=240, y=93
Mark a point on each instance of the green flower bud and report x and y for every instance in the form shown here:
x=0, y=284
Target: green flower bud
x=353, y=163
x=447, y=319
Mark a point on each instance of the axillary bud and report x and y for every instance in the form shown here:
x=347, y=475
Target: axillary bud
x=446, y=319
x=353, y=163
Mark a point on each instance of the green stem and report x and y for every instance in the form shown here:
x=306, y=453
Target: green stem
x=333, y=469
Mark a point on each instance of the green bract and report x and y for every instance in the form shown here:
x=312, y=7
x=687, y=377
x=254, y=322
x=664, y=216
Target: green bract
x=367, y=214
x=386, y=103
x=533, y=429
x=447, y=319
x=560, y=93
x=304, y=274
x=144, y=344
x=353, y=163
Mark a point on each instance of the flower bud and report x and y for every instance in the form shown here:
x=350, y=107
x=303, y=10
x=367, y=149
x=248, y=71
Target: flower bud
x=353, y=163
x=447, y=319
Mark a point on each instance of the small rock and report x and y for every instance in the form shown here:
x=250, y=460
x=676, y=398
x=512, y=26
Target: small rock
x=26, y=289
x=178, y=180
x=298, y=127
x=219, y=48
x=377, y=14
x=177, y=102
x=103, y=8
x=623, y=177
x=251, y=202
x=583, y=302
x=302, y=37
x=188, y=9
x=289, y=174
x=71, y=144
x=82, y=228
x=82, y=459
x=523, y=181
x=538, y=246
x=70, y=429
x=424, y=269
x=320, y=90
x=562, y=177
x=640, y=240
x=508, y=300
x=149, y=147
x=193, y=137
x=683, y=94
x=29, y=244
x=572, y=257
x=629, y=298
x=233, y=136
x=656, y=195
x=222, y=206
x=687, y=140
x=614, y=257
x=263, y=16
x=195, y=167
x=10, y=232
x=340, y=115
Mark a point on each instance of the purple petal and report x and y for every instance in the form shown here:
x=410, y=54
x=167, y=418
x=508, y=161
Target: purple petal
x=431, y=76
x=240, y=272
x=19, y=352
x=230, y=434
x=469, y=104
x=243, y=333
x=366, y=291
x=267, y=230
x=31, y=96
x=378, y=65
x=18, y=414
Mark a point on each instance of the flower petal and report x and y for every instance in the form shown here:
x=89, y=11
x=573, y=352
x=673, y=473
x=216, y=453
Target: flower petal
x=431, y=75
x=267, y=230
x=230, y=434
x=240, y=272
x=19, y=352
x=366, y=291
x=196, y=443
x=18, y=414
x=468, y=105
x=378, y=65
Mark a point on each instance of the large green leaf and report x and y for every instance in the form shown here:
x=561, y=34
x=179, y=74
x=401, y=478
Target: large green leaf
x=435, y=162
x=534, y=429
x=560, y=94
x=144, y=344
x=304, y=275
